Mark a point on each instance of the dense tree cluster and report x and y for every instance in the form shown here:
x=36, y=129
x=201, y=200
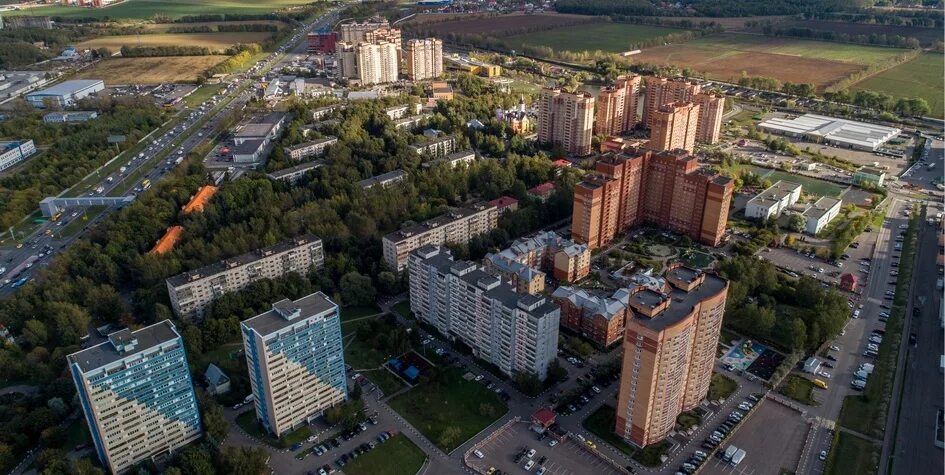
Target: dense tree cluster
x=72, y=151
x=894, y=41
x=794, y=315
x=706, y=8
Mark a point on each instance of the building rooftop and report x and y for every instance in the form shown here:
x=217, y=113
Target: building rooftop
x=833, y=129
x=248, y=147
x=215, y=376
x=123, y=344
x=775, y=193
x=67, y=87
x=542, y=189
x=871, y=171
x=503, y=202
x=383, y=178
x=328, y=139
x=436, y=222
x=243, y=259
x=681, y=302
x=168, y=240
x=821, y=207
x=298, y=168
x=200, y=199
x=285, y=313
x=606, y=307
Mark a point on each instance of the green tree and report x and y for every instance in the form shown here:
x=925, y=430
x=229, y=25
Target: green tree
x=196, y=460
x=35, y=332
x=243, y=461
x=796, y=222
x=357, y=289
x=449, y=436
x=213, y=419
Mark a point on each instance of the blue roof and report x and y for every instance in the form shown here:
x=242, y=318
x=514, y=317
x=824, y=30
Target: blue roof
x=411, y=372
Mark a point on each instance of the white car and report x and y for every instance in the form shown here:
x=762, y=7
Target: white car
x=552, y=443
x=823, y=455
x=824, y=374
x=835, y=348
x=531, y=453
x=595, y=389
x=529, y=465
x=478, y=377
x=479, y=454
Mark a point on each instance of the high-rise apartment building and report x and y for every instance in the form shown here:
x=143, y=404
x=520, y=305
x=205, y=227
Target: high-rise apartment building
x=711, y=109
x=668, y=352
x=617, y=106
x=517, y=332
x=192, y=291
x=369, y=52
x=424, y=59
x=661, y=91
x=566, y=119
x=456, y=227
x=355, y=32
x=667, y=189
x=137, y=395
x=674, y=127
x=296, y=361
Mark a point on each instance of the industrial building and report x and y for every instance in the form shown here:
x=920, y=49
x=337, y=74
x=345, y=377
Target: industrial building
x=191, y=292
x=829, y=130
x=137, y=395
x=863, y=176
x=819, y=214
x=66, y=93
x=516, y=332
x=15, y=152
x=296, y=361
x=773, y=201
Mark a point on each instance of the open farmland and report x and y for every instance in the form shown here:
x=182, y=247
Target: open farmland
x=154, y=70
x=727, y=57
x=921, y=77
x=214, y=41
x=497, y=25
x=926, y=36
x=609, y=37
x=144, y=9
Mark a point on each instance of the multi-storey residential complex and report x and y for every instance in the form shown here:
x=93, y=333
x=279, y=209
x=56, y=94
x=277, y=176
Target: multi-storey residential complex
x=424, y=58
x=401, y=111
x=438, y=147
x=463, y=157
x=192, y=291
x=355, y=32
x=617, y=106
x=314, y=148
x=599, y=319
x=668, y=189
x=674, y=127
x=668, y=352
x=526, y=261
x=378, y=62
x=774, y=200
x=516, y=332
x=293, y=174
x=296, y=361
x=661, y=91
x=383, y=180
x=711, y=109
x=137, y=395
x=566, y=119
x=456, y=227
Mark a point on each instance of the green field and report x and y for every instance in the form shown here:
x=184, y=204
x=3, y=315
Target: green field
x=921, y=77
x=610, y=37
x=144, y=9
x=840, y=52
x=852, y=454
x=397, y=456
x=810, y=186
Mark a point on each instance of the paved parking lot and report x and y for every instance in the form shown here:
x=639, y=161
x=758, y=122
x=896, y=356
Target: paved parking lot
x=566, y=458
x=773, y=437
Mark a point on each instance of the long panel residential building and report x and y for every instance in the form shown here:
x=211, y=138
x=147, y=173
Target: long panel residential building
x=137, y=395
x=667, y=189
x=296, y=363
x=314, y=148
x=192, y=291
x=668, y=352
x=516, y=332
x=456, y=227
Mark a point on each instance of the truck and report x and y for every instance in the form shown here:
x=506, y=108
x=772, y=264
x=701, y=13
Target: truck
x=738, y=457
x=178, y=160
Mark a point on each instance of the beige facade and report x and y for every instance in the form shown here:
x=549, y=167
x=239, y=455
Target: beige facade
x=377, y=62
x=669, y=352
x=356, y=32
x=661, y=91
x=566, y=120
x=711, y=109
x=424, y=59
x=674, y=127
x=617, y=106
x=456, y=227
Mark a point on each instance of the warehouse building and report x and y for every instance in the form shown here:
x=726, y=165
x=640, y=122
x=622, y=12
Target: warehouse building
x=66, y=93
x=837, y=132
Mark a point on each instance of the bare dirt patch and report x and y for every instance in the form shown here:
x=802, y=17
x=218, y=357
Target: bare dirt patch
x=155, y=70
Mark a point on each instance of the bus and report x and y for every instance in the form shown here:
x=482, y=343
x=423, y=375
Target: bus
x=820, y=384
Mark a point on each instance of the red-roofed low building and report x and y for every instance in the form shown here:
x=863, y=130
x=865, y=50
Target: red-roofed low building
x=561, y=163
x=848, y=282
x=542, y=191
x=543, y=417
x=505, y=204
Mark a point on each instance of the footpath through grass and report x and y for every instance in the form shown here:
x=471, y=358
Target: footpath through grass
x=449, y=409
x=866, y=412
x=396, y=456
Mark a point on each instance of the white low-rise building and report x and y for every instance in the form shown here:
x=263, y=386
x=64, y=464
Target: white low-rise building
x=15, y=152
x=821, y=213
x=837, y=132
x=771, y=202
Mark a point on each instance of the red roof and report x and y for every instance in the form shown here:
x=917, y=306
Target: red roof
x=542, y=189
x=849, y=278
x=544, y=416
x=561, y=163
x=503, y=202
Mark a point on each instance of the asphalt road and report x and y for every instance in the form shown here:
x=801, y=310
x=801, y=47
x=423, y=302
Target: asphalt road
x=913, y=450
x=11, y=257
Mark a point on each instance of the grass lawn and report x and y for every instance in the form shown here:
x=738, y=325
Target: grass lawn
x=721, y=386
x=76, y=433
x=202, y=94
x=602, y=422
x=866, y=412
x=349, y=313
x=840, y=52
x=403, y=309
x=396, y=456
x=384, y=379
x=799, y=389
x=608, y=37
x=144, y=9
x=247, y=421
x=81, y=220
x=450, y=409
x=851, y=454
x=921, y=77
x=688, y=419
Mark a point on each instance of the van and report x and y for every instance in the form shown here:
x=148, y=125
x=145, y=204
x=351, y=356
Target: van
x=820, y=384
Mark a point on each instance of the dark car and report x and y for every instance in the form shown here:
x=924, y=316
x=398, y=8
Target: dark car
x=912, y=339
x=828, y=365
x=831, y=357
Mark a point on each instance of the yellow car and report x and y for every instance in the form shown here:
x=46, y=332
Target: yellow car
x=590, y=444
x=490, y=471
